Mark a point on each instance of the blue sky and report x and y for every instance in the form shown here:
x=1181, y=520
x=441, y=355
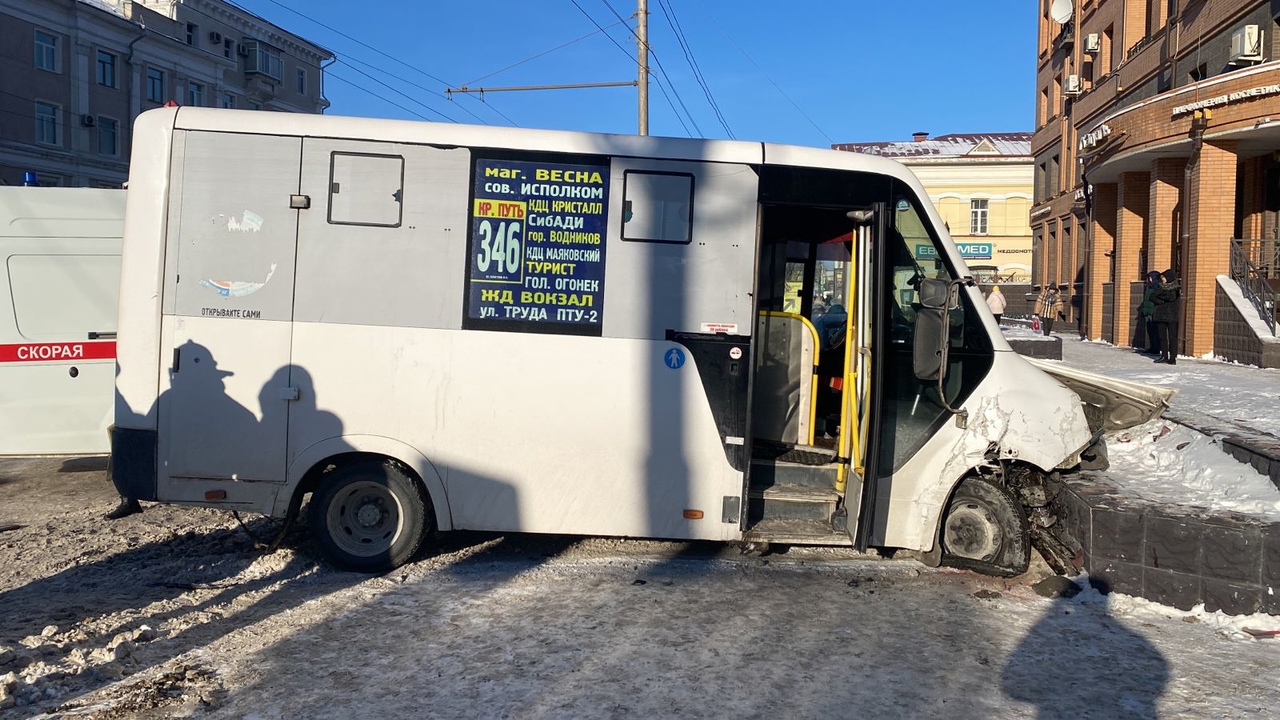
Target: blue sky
x=806, y=73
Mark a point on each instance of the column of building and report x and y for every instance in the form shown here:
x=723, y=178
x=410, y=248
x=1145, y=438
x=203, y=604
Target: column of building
x=1133, y=201
x=1165, y=218
x=1208, y=250
x=1098, y=264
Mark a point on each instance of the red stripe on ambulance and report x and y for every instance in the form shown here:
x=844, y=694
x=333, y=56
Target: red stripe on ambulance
x=52, y=352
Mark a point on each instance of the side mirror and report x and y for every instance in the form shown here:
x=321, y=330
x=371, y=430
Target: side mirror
x=932, y=335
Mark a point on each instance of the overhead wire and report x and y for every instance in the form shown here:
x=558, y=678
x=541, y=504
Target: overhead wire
x=392, y=89
x=632, y=58
x=663, y=89
x=656, y=60
x=348, y=60
x=396, y=60
x=674, y=22
x=775, y=85
x=388, y=101
x=545, y=52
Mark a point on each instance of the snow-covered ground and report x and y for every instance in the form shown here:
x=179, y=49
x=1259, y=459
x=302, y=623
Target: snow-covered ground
x=1240, y=395
x=1167, y=463
x=1163, y=461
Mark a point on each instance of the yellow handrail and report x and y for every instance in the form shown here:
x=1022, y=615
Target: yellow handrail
x=817, y=349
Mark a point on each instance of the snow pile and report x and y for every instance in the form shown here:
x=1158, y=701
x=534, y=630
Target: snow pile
x=1164, y=462
x=1236, y=627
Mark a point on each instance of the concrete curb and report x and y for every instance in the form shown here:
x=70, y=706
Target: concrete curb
x=1049, y=348
x=1174, y=555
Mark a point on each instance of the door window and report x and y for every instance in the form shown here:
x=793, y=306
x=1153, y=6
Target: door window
x=911, y=409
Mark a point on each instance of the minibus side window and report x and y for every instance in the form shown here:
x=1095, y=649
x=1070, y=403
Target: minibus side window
x=366, y=189
x=657, y=207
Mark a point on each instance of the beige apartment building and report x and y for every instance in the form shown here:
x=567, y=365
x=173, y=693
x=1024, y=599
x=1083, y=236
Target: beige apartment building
x=1157, y=146
x=981, y=185
x=77, y=72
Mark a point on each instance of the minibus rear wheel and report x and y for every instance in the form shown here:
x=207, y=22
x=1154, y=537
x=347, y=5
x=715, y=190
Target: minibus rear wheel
x=370, y=515
x=985, y=530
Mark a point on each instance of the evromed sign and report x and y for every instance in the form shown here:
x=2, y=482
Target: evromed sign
x=969, y=251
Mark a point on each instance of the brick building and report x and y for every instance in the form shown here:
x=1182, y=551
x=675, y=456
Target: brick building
x=77, y=72
x=1157, y=146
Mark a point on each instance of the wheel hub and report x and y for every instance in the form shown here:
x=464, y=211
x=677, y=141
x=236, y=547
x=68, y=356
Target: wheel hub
x=972, y=533
x=365, y=519
x=369, y=514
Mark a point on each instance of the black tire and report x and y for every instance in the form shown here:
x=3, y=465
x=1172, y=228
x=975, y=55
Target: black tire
x=370, y=516
x=985, y=530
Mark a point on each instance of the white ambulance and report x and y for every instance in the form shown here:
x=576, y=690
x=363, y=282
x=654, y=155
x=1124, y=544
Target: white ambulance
x=59, y=290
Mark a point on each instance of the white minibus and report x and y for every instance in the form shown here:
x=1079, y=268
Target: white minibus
x=428, y=327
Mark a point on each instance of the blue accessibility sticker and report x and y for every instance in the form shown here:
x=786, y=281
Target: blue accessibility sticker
x=674, y=358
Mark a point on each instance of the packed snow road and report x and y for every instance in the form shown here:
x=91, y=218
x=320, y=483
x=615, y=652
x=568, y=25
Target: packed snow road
x=173, y=613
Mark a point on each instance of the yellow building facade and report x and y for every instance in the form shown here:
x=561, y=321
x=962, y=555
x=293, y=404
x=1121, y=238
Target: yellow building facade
x=981, y=185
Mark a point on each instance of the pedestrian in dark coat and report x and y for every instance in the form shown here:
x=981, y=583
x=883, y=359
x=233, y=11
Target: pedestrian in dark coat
x=1150, y=333
x=1167, y=314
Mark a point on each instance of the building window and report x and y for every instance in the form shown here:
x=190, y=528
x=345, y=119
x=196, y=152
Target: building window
x=302, y=81
x=255, y=106
x=106, y=69
x=48, y=124
x=228, y=47
x=155, y=85
x=228, y=100
x=978, y=216
x=47, y=56
x=195, y=94
x=193, y=33
x=108, y=136
x=264, y=59
x=47, y=180
x=1104, y=56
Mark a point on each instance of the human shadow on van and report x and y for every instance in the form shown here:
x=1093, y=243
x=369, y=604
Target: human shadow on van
x=1077, y=659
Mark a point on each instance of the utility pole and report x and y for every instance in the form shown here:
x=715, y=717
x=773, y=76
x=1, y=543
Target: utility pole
x=642, y=49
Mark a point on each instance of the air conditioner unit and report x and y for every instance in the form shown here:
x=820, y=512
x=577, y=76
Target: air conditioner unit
x=1073, y=87
x=1092, y=43
x=241, y=50
x=1246, y=44
x=215, y=37
x=86, y=120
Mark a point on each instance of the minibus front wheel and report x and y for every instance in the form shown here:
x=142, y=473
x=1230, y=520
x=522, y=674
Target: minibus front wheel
x=370, y=515
x=985, y=530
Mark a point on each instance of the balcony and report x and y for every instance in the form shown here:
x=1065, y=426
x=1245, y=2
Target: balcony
x=263, y=59
x=1066, y=37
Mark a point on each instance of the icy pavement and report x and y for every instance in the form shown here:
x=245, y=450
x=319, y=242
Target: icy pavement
x=172, y=613
x=555, y=627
